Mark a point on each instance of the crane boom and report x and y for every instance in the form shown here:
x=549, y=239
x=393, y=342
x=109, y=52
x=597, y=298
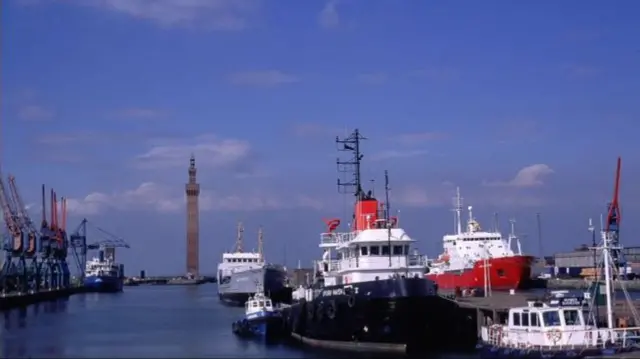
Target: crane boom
x=10, y=217
x=21, y=209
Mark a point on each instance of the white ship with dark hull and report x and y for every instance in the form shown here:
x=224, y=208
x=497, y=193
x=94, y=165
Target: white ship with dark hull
x=370, y=293
x=241, y=274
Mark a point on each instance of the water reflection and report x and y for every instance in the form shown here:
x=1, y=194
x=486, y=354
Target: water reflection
x=21, y=337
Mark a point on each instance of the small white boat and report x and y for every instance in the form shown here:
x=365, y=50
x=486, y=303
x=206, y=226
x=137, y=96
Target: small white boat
x=565, y=328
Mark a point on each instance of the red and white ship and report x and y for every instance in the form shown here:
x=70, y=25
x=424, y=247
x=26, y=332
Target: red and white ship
x=479, y=259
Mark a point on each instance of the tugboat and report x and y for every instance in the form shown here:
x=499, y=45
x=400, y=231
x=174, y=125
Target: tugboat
x=261, y=319
x=370, y=293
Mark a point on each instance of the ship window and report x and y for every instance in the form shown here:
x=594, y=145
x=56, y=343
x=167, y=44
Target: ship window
x=261, y=303
x=551, y=319
x=571, y=317
x=589, y=317
x=533, y=319
x=406, y=250
x=397, y=250
x=364, y=251
x=268, y=303
x=501, y=272
x=385, y=250
x=375, y=250
x=525, y=319
x=515, y=317
x=255, y=304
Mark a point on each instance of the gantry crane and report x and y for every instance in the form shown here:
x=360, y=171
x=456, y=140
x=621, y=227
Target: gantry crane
x=106, y=246
x=14, y=271
x=29, y=235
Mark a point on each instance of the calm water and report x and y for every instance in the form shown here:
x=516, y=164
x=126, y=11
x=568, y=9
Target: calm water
x=142, y=322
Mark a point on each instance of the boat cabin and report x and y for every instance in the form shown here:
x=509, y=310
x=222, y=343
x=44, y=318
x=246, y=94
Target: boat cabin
x=375, y=249
x=540, y=325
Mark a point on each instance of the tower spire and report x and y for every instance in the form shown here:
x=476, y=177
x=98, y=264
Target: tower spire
x=192, y=190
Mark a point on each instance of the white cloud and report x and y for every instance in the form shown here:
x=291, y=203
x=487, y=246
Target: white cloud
x=394, y=154
x=139, y=113
x=267, y=78
x=35, y=113
x=167, y=199
x=414, y=196
x=329, y=17
x=530, y=176
x=420, y=137
x=209, y=151
x=211, y=14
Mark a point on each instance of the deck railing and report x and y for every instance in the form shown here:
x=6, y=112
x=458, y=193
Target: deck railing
x=554, y=338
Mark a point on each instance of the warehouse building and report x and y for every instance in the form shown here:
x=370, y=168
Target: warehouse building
x=571, y=264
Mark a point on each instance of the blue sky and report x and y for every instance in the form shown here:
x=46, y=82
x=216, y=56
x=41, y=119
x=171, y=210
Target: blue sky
x=525, y=105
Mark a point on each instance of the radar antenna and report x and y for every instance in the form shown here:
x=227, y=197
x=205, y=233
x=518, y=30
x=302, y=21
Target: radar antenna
x=352, y=165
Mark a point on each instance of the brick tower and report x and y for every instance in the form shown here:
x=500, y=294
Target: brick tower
x=192, y=189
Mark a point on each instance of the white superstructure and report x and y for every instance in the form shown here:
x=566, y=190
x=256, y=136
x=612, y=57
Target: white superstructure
x=463, y=249
x=379, y=250
x=97, y=267
x=238, y=260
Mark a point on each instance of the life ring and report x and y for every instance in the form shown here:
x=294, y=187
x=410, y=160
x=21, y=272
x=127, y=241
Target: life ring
x=331, y=310
x=554, y=335
x=351, y=301
x=320, y=311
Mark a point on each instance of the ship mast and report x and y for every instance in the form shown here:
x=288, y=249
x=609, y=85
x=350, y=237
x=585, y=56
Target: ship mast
x=239, y=238
x=457, y=208
x=387, y=219
x=352, y=165
x=260, y=244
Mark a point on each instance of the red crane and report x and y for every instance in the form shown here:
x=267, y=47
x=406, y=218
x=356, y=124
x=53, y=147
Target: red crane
x=613, y=215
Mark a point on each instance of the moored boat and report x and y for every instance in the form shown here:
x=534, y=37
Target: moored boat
x=261, y=319
x=479, y=259
x=556, y=330
x=370, y=293
x=103, y=274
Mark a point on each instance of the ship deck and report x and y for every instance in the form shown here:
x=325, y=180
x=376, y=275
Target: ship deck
x=495, y=308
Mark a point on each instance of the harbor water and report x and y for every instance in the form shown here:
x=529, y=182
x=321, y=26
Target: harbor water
x=141, y=322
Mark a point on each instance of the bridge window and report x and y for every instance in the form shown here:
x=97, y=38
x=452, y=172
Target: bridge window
x=406, y=250
x=385, y=250
x=375, y=250
x=571, y=317
x=515, y=318
x=551, y=319
x=261, y=303
x=364, y=251
x=533, y=319
x=525, y=319
x=397, y=250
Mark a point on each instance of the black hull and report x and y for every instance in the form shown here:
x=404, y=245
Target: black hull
x=394, y=315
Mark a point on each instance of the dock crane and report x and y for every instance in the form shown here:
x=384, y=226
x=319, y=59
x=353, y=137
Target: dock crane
x=106, y=246
x=30, y=234
x=14, y=271
x=612, y=221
